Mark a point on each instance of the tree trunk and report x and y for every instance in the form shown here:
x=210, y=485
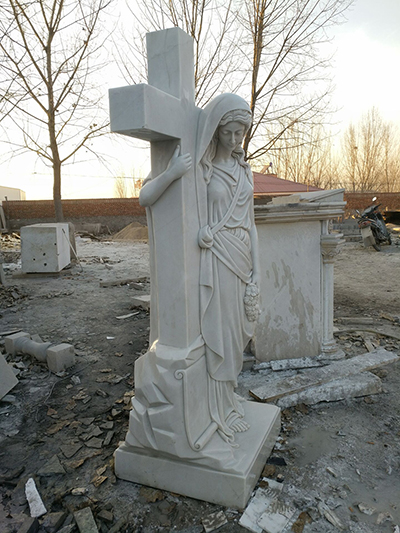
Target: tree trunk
x=57, y=191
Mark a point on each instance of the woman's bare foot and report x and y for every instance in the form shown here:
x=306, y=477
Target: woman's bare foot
x=239, y=425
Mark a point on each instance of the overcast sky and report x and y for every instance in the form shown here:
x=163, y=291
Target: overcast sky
x=366, y=73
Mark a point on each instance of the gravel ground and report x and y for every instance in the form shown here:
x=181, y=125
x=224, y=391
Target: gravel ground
x=62, y=431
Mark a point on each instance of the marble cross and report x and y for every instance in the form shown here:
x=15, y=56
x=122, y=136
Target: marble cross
x=164, y=113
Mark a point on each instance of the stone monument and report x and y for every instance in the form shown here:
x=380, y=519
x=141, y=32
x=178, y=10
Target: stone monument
x=188, y=432
x=297, y=253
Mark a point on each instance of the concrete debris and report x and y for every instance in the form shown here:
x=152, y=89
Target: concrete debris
x=366, y=509
x=53, y=521
x=276, y=517
x=142, y=301
x=330, y=515
x=79, y=491
x=85, y=521
x=30, y=525
x=106, y=516
x=36, y=506
x=214, y=521
x=318, y=376
x=53, y=467
x=331, y=471
x=396, y=529
x=119, y=282
x=338, y=389
x=7, y=377
x=69, y=450
x=129, y=315
x=384, y=517
x=258, y=504
x=301, y=362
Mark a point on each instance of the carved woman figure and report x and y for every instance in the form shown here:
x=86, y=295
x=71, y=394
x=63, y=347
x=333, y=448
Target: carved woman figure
x=229, y=272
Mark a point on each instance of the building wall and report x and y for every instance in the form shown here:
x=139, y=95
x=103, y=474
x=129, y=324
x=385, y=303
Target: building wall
x=11, y=193
x=360, y=200
x=112, y=213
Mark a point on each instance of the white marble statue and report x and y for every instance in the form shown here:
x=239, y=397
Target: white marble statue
x=229, y=273
x=188, y=431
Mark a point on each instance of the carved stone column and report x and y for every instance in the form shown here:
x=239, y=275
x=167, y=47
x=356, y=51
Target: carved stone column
x=330, y=247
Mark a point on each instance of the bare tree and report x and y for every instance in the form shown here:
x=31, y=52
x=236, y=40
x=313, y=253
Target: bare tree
x=211, y=23
x=287, y=66
x=269, y=51
x=121, y=187
x=370, y=154
x=51, y=51
x=311, y=163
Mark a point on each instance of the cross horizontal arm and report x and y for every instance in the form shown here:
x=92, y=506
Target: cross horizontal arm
x=147, y=113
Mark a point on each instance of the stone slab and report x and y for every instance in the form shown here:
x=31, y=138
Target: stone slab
x=354, y=386
x=318, y=376
x=200, y=482
x=142, y=301
x=45, y=247
x=7, y=377
x=301, y=362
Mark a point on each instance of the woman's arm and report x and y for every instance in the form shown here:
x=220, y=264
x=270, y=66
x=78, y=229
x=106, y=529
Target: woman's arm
x=255, y=256
x=154, y=188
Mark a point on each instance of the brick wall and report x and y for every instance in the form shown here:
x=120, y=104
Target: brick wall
x=115, y=213
x=390, y=201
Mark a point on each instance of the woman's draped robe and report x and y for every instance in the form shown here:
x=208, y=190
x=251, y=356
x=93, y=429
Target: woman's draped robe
x=226, y=269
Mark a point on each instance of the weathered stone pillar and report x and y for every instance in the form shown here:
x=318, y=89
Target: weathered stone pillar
x=330, y=247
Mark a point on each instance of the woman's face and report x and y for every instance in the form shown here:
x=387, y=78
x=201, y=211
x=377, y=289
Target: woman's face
x=231, y=135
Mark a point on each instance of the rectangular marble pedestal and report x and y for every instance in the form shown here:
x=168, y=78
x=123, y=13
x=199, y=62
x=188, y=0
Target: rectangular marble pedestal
x=196, y=481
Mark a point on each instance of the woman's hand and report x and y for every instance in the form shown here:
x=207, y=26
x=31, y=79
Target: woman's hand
x=255, y=278
x=179, y=164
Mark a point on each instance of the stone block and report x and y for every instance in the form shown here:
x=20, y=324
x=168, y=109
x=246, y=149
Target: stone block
x=10, y=341
x=201, y=482
x=7, y=377
x=60, y=357
x=45, y=247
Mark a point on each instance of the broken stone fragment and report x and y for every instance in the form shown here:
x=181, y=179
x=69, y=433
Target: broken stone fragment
x=85, y=521
x=330, y=515
x=53, y=467
x=7, y=377
x=36, y=505
x=106, y=516
x=53, y=521
x=214, y=521
x=30, y=525
x=366, y=509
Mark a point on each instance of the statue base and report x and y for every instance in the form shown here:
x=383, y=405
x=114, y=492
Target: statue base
x=162, y=471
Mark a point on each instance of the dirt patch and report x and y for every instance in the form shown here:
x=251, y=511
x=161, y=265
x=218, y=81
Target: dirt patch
x=63, y=430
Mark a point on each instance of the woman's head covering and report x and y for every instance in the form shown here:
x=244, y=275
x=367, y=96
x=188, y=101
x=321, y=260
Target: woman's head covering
x=211, y=116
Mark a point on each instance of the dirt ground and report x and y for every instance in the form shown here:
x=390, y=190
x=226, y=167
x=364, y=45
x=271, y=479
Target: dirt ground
x=63, y=430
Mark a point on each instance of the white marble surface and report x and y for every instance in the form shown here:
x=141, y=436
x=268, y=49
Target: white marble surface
x=188, y=431
x=231, y=486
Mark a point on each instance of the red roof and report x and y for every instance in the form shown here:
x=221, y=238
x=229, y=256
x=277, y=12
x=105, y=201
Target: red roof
x=270, y=184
